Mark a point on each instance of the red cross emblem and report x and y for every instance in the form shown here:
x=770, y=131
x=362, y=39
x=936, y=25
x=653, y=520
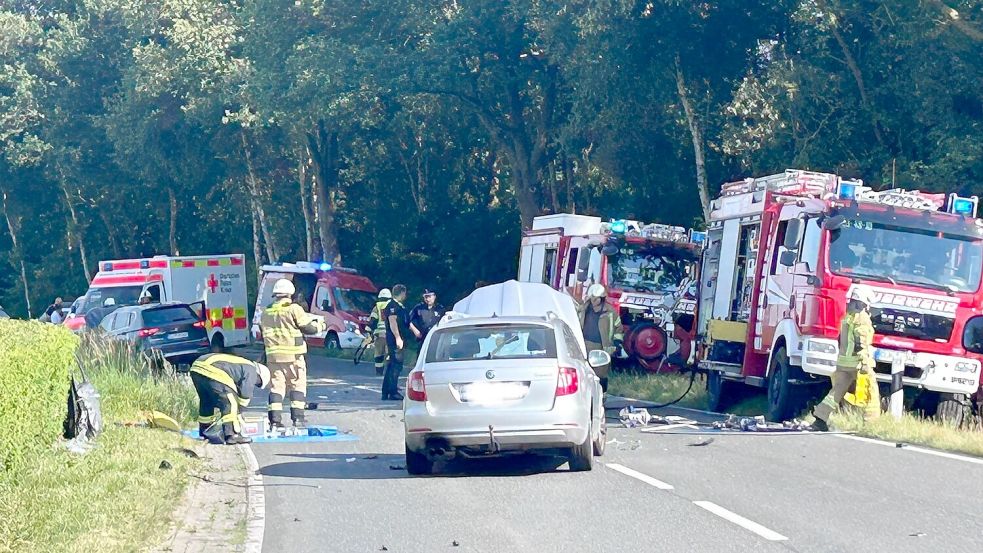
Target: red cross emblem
x=212, y=283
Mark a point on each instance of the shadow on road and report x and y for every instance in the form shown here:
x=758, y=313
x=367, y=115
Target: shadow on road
x=340, y=466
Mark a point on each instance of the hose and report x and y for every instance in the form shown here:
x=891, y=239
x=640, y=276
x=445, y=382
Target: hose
x=689, y=388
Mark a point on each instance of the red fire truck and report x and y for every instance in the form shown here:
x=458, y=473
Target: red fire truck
x=649, y=271
x=782, y=254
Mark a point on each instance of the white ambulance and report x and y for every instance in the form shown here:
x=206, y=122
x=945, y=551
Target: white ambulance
x=219, y=281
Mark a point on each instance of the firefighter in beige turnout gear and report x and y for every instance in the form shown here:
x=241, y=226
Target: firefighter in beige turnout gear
x=601, y=326
x=284, y=325
x=377, y=325
x=855, y=362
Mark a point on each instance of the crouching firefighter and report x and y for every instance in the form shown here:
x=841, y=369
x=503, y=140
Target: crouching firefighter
x=225, y=384
x=377, y=326
x=284, y=325
x=602, y=327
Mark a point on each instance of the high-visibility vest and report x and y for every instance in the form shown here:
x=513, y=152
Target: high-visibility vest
x=378, y=313
x=856, y=341
x=206, y=366
x=282, y=336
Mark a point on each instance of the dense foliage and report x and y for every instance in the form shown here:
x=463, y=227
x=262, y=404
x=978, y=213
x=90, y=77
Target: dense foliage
x=413, y=138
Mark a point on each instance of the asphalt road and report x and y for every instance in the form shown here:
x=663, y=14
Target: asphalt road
x=651, y=492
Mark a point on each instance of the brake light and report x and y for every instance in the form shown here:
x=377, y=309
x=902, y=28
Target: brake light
x=144, y=332
x=416, y=388
x=567, y=382
x=199, y=324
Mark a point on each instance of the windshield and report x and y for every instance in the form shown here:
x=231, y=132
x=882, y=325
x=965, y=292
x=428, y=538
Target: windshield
x=897, y=254
x=642, y=269
x=122, y=295
x=492, y=342
x=355, y=300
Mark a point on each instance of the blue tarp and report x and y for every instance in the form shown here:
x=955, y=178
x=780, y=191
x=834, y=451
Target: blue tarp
x=314, y=434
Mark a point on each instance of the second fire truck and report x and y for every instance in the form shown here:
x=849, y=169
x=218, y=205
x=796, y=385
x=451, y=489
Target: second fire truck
x=783, y=253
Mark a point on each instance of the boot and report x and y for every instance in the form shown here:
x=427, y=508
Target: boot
x=237, y=439
x=819, y=425
x=276, y=419
x=202, y=429
x=299, y=420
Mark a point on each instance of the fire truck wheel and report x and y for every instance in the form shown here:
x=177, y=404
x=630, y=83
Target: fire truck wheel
x=953, y=409
x=719, y=392
x=332, y=342
x=785, y=400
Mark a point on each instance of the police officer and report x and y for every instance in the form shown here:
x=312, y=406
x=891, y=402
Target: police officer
x=425, y=315
x=284, y=325
x=225, y=383
x=602, y=327
x=377, y=325
x=395, y=315
x=856, y=356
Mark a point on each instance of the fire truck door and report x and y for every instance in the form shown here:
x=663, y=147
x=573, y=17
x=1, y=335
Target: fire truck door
x=778, y=291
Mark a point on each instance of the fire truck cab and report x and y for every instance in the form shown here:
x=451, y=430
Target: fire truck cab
x=649, y=271
x=782, y=255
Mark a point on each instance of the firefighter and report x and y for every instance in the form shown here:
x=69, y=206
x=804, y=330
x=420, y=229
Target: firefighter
x=602, y=327
x=855, y=362
x=425, y=315
x=377, y=326
x=225, y=382
x=284, y=325
x=145, y=298
x=395, y=315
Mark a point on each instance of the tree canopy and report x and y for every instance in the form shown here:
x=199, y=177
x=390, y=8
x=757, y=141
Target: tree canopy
x=414, y=139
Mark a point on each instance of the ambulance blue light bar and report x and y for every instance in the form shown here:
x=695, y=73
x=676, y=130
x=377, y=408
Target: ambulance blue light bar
x=697, y=237
x=963, y=206
x=324, y=266
x=847, y=191
x=619, y=227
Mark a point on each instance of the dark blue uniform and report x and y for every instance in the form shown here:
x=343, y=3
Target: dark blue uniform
x=390, y=382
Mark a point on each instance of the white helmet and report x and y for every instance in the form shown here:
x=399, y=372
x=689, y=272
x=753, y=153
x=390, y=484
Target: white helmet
x=264, y=375
x=283, y=287
x=145, y=295
x=596, y=291
x=862, y=294
x=385, y=294
x=109, y=302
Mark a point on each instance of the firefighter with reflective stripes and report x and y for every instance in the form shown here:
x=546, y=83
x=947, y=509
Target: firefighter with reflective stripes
x=225, y=384
x=284, y=325
x=601, y=326
x=855, y=362
x=377, y=325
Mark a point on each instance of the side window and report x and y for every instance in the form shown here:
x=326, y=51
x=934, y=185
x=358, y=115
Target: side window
x=121, y=321
x=594, y=268
x=154, y=293
x=779, y=248
x=573, y=346
x=322, y=298
x=549, y=266
x=809, y=252
x=571, y=273
x=107, y=323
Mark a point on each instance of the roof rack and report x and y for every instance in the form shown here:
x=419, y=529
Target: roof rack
x=793, y=182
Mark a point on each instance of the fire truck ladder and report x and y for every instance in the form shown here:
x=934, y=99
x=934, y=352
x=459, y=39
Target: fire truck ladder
x=793, y=182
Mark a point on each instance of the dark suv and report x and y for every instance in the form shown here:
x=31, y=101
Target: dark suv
x=175, y=330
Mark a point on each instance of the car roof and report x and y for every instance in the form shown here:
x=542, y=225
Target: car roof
x=515, y=319
x=152, y=306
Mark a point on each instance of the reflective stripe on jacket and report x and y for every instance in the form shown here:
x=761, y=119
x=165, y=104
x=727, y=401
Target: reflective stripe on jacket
x=379, y=327
x=609, y=325
x=856, y=342
x=238, y=374
x=284, y=325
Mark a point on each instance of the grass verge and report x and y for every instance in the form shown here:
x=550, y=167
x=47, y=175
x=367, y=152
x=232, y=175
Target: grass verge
x=115, y=498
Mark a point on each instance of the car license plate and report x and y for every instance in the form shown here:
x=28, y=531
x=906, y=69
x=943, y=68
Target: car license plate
x=492, y=392
x=177, y=335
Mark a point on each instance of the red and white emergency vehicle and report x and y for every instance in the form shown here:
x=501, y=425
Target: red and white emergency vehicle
x=782, y=255
x=340, y=295
x=649, y=271
x=217, y=280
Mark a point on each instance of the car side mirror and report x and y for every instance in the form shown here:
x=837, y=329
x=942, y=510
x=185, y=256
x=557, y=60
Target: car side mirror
x=793, y=233
x=598, y=358
x=834, y=222
x=787, y=259
x=609, y=249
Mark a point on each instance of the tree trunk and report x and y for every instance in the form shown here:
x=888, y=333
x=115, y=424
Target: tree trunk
x=305, y=207
x=568, y=180
x=697, y=135
x=257, y=250
x=16, y=250
x=256, y=201
x=110, y=233
x=74, y=230
x=172, y=235
x=323, y=146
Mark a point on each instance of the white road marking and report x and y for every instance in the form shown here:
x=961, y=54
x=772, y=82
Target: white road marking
x=916, y=449
x=737, y=519
x=639, y=476
x=658, y=429
x=368, y=389
x=256, y=503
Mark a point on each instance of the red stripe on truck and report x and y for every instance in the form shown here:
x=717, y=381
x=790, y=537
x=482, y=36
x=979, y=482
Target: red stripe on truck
x=125, y=279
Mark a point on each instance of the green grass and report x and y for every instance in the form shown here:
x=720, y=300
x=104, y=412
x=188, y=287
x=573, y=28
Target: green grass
x=667, y=387
x=114, y=498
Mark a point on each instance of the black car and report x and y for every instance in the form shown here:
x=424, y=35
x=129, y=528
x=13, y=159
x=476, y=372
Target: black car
x=174, y=330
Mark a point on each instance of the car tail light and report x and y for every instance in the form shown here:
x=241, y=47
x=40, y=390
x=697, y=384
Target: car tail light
x=416, y=388
x=199, y=324
x=144, y=332
x=567, y=382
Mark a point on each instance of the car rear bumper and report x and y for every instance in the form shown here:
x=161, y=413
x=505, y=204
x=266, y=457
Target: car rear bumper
x=183, y=352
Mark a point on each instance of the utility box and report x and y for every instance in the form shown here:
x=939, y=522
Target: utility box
x=254, y=427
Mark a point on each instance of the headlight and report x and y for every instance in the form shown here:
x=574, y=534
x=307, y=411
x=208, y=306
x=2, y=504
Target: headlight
x=821, y=347
x=965, y=367
x=351, y=327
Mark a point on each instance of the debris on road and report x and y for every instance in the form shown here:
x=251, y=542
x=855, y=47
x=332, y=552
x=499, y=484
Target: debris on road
x=370, y=457
x=350, y=460
x=397, y=467
x=701, y=443
x=165, y=465
x=631, y=417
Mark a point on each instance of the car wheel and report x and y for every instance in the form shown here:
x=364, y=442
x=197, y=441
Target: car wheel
x=602, y=439
x=784, y=399
x=332, y=342
x=418, y=463
x=582, y=456
x=953, y=409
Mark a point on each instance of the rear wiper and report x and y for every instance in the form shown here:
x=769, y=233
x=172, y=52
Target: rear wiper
x=491, y=354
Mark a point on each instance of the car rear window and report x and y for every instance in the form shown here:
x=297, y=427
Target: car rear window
x=169, y=315
x=492, y=342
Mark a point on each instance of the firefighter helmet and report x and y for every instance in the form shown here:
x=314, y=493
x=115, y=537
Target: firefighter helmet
x=596, y=291
x=283, y=287
x=264, y=375
x=385, y=294
x=862, y=294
